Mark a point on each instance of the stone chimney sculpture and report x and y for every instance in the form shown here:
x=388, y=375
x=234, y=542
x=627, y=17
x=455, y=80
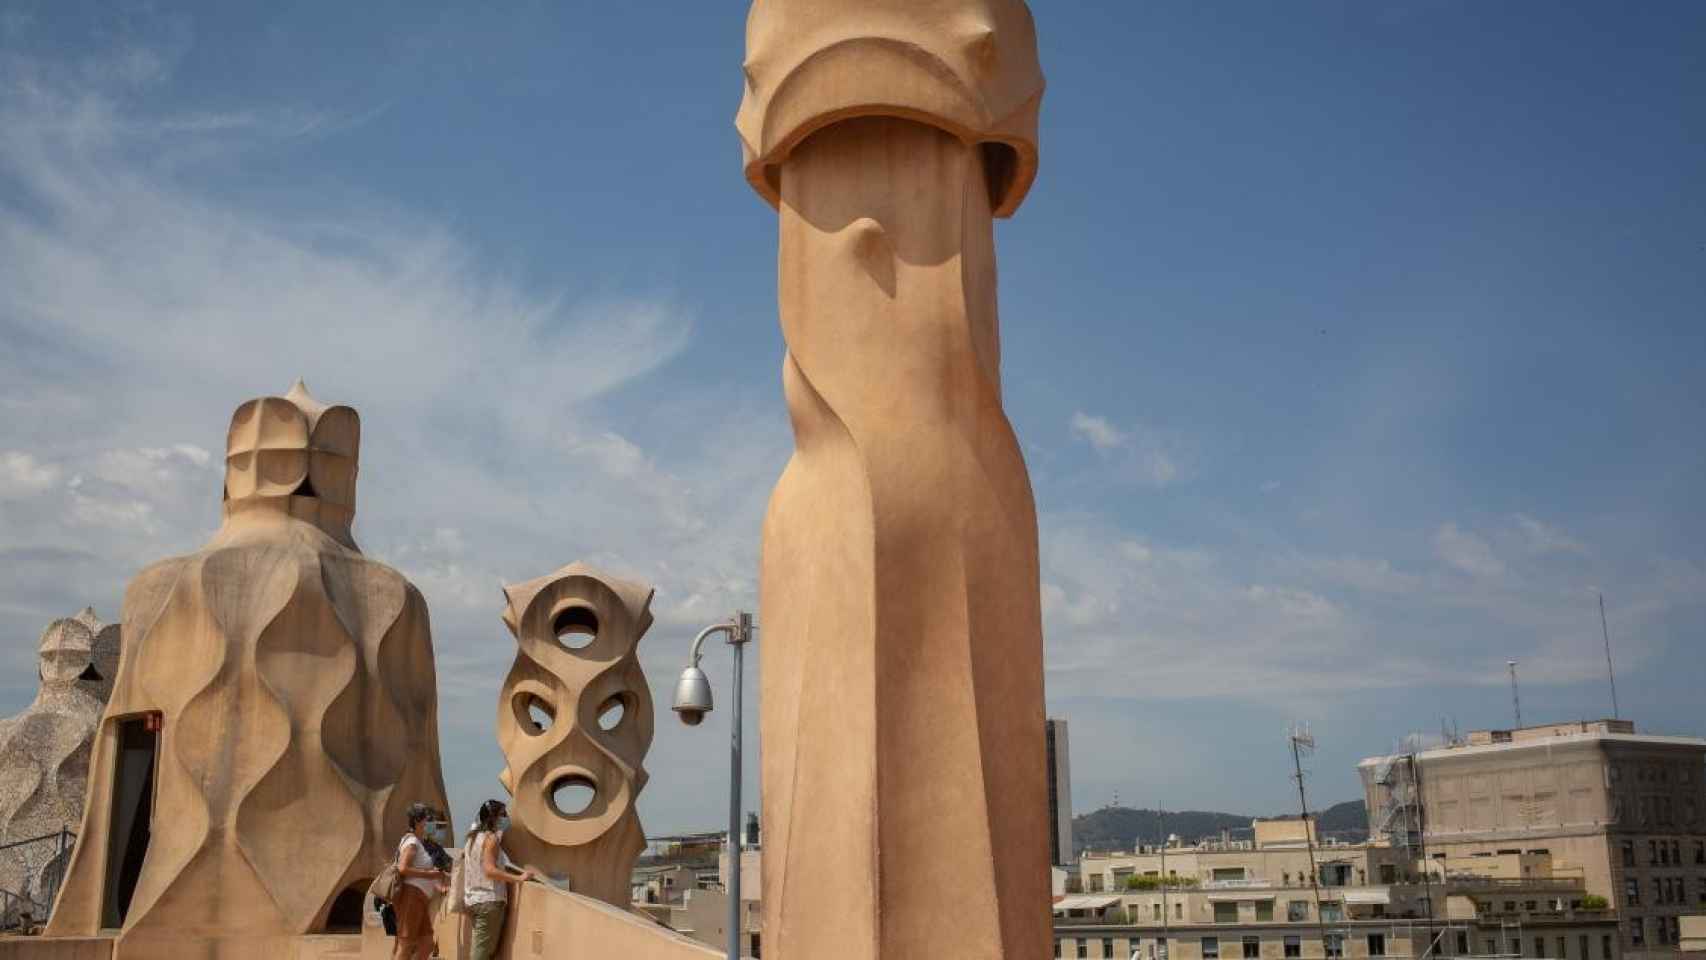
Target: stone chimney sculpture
x=575, y=718
x=274, y=715
x=44, y=756
x=901, y=675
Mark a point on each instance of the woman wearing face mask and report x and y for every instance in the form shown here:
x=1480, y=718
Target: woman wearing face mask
x=485, y=882
x=421, y=882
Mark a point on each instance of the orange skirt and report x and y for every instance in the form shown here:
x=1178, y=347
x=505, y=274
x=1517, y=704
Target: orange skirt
x=414, y=914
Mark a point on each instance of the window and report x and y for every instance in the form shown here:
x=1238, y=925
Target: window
x=1632, y=892
x=1057, y=947
x=1227, y=873
x=1178, y=911
x=1531, y=906
x=1293, y=947
x=1653, y=853
x=1540, y=946
x=1628, y=853
x=1586, y=953
x=1462, y=944
x=1510, y=906
x=1297, y=911
x=1377, y=944
x=1210, y=948
x=1564, y=949
x=1676, y=852
x=1492, y=946
x=1699, y=852
x=1252, y=948
x=1157, y=912
x=1107, y=947
x=1606, y=951
x=1226, y=913
x=1264, y=911
x=1335, y=945
x=1637, y=931
x=1332, y=913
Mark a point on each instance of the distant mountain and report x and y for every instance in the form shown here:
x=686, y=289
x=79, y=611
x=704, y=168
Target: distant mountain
x=1346, y=821
x=1122, y=828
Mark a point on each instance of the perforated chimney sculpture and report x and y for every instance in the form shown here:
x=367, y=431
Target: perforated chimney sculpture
x=275, y=713
x=574, y=724
x=901, y=671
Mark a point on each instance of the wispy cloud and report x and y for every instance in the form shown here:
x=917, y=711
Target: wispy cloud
x=1546, y=538
x=1101, y=433
x=140, y=307
x=1467, y=552
x=1141, y=454
x=1128, y=616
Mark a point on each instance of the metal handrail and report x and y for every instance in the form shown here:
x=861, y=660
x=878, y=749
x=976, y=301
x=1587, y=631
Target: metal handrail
x=64, y=839
x=55, y=835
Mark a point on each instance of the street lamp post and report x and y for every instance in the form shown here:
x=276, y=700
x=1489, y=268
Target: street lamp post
x=692, y=702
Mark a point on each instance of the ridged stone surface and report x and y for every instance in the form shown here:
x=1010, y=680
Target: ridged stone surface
x=294, y=681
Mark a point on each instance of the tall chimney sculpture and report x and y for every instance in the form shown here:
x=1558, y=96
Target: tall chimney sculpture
x=905, y=801
x=274, y=715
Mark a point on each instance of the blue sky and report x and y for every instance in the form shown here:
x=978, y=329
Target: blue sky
x=1353, y=346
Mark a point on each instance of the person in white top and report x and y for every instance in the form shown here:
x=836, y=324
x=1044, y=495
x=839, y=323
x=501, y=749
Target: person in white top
x=485, y=880
x=421, y=882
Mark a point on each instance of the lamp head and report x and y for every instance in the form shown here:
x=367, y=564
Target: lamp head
x=692, y=696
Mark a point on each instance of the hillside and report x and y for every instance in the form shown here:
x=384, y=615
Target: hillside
x=1120, y=828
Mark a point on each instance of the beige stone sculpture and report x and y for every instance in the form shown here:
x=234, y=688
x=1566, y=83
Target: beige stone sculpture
x=44, y=757
x=575, y=720
x=275, y=713
x=901, y=677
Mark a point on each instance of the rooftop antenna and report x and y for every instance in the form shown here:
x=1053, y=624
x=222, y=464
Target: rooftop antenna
x=1303, y=742
x=1610, y=670
x=1516, y=698
x=1166, y=881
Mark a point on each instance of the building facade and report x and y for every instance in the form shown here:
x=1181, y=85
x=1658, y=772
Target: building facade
x=1625, y=812
x=1244, y=901
x=1059, y=749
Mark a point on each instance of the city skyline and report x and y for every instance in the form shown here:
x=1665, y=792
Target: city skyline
x=1354, y=350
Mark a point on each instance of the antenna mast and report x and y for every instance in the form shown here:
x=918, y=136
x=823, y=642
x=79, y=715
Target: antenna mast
x=1166, y=908
x=1302, y=741
x=1610, y=670
x=1516, y=699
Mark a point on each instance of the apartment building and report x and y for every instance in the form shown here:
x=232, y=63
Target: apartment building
x=1279, y=854
x=1624, y=811
x=1224, y=906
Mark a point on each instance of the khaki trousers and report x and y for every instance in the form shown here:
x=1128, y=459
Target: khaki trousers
x=488, y=923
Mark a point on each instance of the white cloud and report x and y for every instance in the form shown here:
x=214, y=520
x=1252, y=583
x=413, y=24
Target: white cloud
x=22, y=475
x=1143, y=454
x=1467, y=552
x=1101, y=434
x=1292, y=602
x=1545, y=538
